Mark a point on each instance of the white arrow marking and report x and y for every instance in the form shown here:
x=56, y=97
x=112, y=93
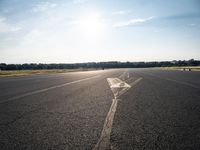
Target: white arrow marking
x=117, y=86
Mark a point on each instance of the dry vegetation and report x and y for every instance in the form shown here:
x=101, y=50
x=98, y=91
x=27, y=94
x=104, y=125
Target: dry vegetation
x=32, y=72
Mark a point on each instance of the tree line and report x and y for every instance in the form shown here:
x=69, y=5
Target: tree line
x=97, y=65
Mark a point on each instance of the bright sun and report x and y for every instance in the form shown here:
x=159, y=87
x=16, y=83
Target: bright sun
x=92, y=24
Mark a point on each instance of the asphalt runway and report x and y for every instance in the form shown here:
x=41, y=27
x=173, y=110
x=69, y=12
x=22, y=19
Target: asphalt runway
x=152, y=109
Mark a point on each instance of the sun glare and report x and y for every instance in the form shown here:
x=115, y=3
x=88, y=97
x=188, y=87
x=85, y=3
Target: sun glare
x=92, y=24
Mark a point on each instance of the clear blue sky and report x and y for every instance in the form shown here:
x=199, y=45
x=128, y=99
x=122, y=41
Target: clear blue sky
x=67, y=31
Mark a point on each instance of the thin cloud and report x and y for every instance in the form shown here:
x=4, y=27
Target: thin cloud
x=157, y=30
x=121, y=12
x=79, y=1
x=132, y=22
x=5, y=27
x=43, y=6
x=192, y=24
x=183, y=16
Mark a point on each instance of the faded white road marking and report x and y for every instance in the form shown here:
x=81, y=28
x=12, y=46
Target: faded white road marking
x=128, y=75
x=47, y=89
x=136, y=81
x=124, y=75
x=104, y=141
x=117, y=83
x=126, y=89
x=117, y=86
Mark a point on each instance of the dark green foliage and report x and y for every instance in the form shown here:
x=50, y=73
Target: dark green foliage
x=110, y=64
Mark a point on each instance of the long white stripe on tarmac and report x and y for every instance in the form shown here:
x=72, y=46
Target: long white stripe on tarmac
x=47, y=89
x=104, y=141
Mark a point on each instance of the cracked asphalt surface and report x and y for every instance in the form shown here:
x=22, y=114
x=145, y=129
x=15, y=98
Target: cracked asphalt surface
x=161, y=112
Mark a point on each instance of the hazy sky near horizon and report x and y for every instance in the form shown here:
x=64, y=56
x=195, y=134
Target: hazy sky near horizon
x=67, y=31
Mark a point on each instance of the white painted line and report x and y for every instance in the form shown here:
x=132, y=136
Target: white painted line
x=136, y=81
x=128, y=75
x=47, y=89
x=126, y=89
x=123, y=75
x=104, y=141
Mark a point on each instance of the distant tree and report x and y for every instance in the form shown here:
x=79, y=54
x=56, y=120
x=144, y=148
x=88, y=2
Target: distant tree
x=110, y=64
x=3, y=66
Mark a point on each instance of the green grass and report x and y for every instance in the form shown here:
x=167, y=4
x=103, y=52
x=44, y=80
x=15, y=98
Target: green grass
x=32, y=72
x=193, y=68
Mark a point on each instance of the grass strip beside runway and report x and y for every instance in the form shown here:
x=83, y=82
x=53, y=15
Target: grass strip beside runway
x=32, y=72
